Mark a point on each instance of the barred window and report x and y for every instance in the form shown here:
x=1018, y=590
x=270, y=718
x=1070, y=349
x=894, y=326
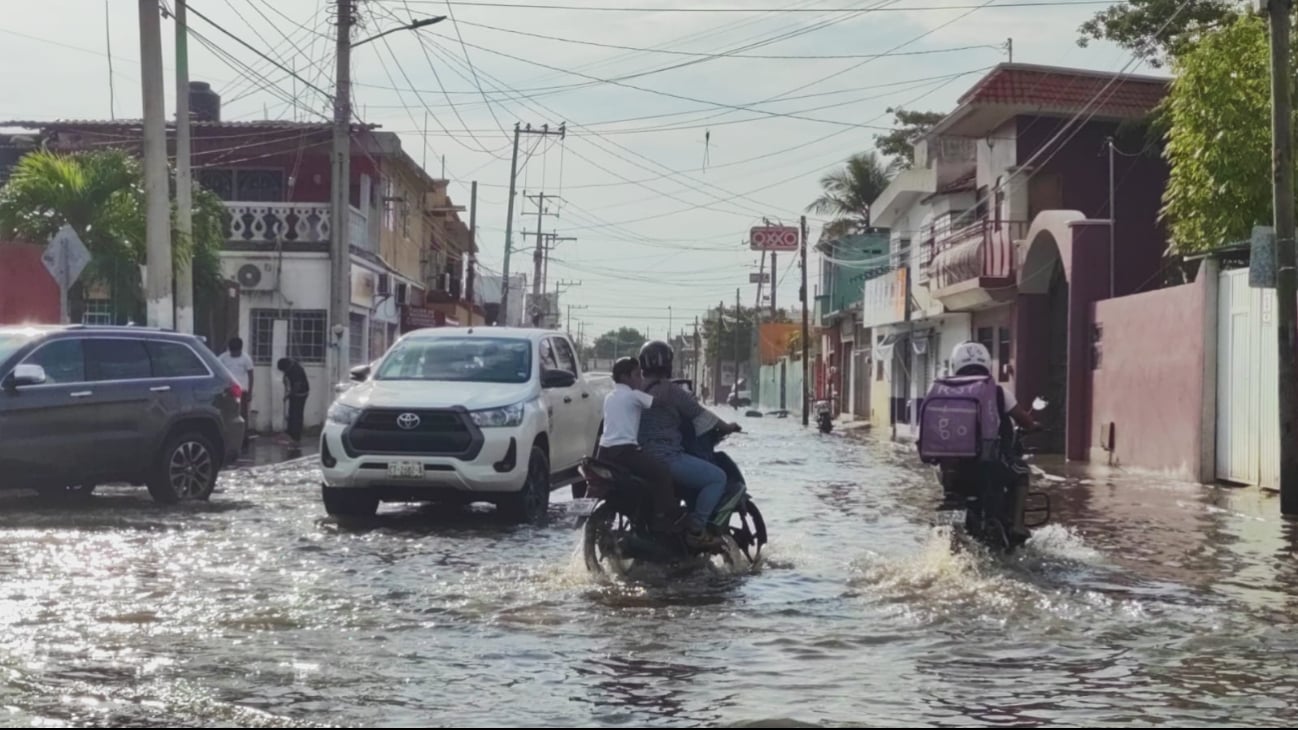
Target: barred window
x=356, y=338
x=97, y=312
x=307, y=341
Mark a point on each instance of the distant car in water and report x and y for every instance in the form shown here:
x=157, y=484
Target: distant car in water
x=82, y=406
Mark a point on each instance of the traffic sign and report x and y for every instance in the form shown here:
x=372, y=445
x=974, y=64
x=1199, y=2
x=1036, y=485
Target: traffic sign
x=65, y=258
x=773, y=238
x=763, y=278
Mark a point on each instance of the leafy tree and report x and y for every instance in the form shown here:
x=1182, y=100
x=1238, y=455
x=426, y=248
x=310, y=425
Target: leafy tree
x=1159, y=30
x=1218, y=142
x=848, y=193
x=621, y=342
x=910, y=125
x=101, y=196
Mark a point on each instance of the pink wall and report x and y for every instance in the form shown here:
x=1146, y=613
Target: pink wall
x=1150, y=380
x=27, y=292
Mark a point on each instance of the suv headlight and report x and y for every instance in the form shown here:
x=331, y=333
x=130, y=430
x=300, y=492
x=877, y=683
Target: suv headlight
x=343, y=415
x=505, y=417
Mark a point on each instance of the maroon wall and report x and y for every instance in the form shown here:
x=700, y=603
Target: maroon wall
x=1080, y=157
x=1150, y=380
x=1088, y=284
x=28, y=294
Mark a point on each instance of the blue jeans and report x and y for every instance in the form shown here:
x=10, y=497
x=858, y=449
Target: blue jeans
x=701, y=478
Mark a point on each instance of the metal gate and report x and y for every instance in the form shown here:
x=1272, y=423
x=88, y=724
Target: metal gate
x=1248, y=416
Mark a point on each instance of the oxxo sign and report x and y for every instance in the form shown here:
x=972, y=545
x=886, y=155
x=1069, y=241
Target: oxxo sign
x=773, y=238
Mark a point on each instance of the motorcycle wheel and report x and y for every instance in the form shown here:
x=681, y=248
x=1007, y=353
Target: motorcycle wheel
x=749, y=534
x=603, y=533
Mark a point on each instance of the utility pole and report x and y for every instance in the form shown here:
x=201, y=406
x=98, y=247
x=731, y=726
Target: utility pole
x=774, y=285
x=557, y=284
x=806, y=335
x=570, y=308
x=739, y=314
x=157, y=287
x=538, y=257
x=184, y=174
x=1286, y=277
x=340, y=291
x=1113, y=225
x=698, y=356
x=544, y=131
x=473, y=249
x=716, y=371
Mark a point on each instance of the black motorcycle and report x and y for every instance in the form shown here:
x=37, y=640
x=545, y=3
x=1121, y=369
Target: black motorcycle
x=1000, y=508
x=618, y=534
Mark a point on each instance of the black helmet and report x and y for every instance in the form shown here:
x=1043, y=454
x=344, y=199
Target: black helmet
x=656, y=358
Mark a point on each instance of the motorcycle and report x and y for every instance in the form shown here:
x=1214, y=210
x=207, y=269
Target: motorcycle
x=824, y=416
x=618, y=534
x=1000, y=508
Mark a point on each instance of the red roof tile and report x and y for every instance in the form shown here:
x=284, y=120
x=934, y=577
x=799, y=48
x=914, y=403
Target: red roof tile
x=1064, y=89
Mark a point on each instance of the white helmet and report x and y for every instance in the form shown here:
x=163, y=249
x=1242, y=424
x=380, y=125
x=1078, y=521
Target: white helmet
x=966, y=354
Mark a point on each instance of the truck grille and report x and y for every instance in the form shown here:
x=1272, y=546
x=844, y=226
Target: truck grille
x=435, y=432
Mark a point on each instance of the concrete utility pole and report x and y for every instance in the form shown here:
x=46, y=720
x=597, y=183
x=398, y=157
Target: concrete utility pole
x=473, y=250
x=158, y=279
x=544, y=131
x=340, y=254
x=1286, y=277
x=184, y=174
x=806, y=334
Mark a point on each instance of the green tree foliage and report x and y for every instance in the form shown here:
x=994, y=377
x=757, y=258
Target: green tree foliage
x=909, y=126
x=1159, y=30
x=1219, y=142
x=621, y=342
x=101, y=195
x=848, y=192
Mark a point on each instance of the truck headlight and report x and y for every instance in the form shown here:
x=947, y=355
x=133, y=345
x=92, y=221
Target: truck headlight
x=505, y=417
x=343, y=415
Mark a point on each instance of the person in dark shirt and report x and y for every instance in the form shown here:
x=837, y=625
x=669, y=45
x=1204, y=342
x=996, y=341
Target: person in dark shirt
x=296, y=390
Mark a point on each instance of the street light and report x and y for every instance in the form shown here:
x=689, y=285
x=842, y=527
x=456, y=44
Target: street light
x=413, y=25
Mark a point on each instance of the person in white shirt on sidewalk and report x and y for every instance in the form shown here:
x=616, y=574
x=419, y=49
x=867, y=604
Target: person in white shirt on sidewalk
x=241, y=367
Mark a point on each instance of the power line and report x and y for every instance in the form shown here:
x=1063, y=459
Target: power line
x=641, y=9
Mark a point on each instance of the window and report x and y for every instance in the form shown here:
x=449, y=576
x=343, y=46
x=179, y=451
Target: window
x=263, y=331
x=564, y=355
x=306, y=335
x=356, y=338
x=174, y=360
x=548, y=360
x=97, y=312
x=63, y=360
x=459, y=359
x=118, y=360
x=264, y=186
x=1004, y=356
x=878, y=369
x=987, y=338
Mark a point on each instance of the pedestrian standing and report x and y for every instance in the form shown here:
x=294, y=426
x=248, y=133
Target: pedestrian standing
x=296, y=390
x=241, y=367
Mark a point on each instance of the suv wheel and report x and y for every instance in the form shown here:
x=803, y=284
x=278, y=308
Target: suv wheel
x=186, y=469
x=532, y=502
x=340, y=502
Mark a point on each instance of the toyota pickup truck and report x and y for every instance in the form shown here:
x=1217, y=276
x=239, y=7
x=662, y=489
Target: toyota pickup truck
x=459, y=415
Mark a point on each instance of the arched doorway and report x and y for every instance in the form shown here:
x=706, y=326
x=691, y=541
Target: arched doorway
x=1042, y=359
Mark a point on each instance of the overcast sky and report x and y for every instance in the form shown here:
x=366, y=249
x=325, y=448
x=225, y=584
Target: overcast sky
x=660, y=184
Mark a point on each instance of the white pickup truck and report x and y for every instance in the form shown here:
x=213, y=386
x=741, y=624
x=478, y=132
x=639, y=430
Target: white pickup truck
x=478, y=414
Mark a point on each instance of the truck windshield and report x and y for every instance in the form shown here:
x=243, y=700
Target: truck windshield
x=463, y=359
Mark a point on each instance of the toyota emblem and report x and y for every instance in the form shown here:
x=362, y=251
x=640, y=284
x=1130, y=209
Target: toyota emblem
x=408, y=421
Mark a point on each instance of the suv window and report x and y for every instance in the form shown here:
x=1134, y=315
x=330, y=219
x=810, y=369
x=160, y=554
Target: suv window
x=117, y=359
x=548, y=361
x=174, y=360
x=63, y=360
x=563, y=352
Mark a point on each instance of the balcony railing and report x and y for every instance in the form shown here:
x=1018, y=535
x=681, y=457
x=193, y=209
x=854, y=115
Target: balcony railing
x=302, y=223
x=982, y=250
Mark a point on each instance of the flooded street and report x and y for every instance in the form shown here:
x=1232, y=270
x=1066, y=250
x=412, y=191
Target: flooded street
x=1146, y=603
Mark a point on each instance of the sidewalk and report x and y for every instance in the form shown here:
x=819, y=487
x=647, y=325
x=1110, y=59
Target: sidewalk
x=274, y=449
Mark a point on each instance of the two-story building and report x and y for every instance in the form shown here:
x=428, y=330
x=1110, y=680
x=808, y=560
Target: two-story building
x=846, y=264
x=1003, y=191
x=274, y=178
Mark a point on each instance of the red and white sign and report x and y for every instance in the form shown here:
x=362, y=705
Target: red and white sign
x=773, y=238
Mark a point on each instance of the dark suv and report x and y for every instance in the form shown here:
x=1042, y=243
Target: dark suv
x=81, y=406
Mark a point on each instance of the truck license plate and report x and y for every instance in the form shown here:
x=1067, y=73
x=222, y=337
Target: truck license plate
x=405, y=470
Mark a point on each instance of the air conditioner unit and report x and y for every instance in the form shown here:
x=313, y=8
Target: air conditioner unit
x=385, y=285
x=403, y=294
x=256, y=276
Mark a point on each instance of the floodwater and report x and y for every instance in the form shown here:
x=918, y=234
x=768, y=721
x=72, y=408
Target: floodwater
x=1146, y=603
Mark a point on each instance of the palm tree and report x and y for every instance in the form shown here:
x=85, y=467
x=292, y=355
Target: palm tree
x=101, y=196
x=848, y=193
